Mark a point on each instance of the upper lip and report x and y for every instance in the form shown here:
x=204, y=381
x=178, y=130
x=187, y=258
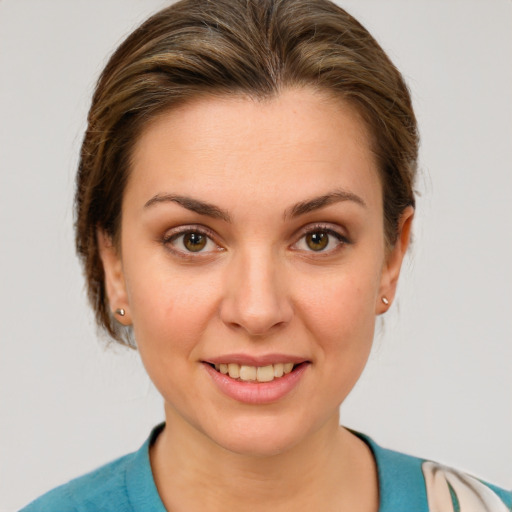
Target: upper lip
x=250, y=360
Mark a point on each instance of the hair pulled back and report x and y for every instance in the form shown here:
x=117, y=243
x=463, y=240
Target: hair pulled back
x=251, y=47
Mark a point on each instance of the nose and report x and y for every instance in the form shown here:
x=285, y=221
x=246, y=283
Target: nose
x=256, y=298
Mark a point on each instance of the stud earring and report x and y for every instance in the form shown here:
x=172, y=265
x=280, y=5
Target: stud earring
x=120, y=312
x=385, y=301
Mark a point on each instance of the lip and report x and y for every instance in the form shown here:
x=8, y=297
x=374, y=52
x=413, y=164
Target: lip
x=263, y=360
x=256, y=393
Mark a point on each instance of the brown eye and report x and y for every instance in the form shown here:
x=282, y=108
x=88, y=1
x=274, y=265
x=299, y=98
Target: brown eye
x=317, y=241
x=194, y=242
x=320, y=240
x=191, y=243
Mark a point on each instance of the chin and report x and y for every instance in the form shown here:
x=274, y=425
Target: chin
x=259, y=437
x=258, y=446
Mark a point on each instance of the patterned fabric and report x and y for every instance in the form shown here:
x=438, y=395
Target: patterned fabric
x=406, y=484
x=449, y=490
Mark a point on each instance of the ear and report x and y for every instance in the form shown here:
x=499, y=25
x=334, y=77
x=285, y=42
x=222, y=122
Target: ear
x=393, y=264
x=115, y=284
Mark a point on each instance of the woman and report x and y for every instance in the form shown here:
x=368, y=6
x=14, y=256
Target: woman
x=244, y=204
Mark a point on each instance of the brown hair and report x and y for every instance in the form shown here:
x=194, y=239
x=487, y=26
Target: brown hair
x=251, y=47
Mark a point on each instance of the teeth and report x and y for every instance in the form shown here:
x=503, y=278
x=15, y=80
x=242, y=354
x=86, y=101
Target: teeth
x=265, y=373
x=255, y=373
x=248, y=372
x=234, y=370
x=278, y=370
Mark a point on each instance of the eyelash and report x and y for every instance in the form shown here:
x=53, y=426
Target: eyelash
x=341, y=240
x=187, y=230
x=169, y=238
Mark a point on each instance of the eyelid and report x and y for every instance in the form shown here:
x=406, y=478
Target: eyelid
x=172, y=234
x=188, y=228
x=329, y=228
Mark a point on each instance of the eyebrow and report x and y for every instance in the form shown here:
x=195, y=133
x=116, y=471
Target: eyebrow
x=318, y=202
x=194, y=205
x=210, y=210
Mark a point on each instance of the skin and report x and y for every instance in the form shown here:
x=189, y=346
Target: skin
x=256, y=288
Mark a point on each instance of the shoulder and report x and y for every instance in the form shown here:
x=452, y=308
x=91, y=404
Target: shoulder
x=465, y=492
x=411, y=483
x=124, y=485
x=88, y=492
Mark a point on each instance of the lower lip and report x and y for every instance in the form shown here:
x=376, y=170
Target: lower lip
x=257, y=393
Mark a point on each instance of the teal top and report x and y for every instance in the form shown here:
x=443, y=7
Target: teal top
x=406, y=484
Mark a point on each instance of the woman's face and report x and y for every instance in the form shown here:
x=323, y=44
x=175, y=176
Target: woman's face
x=252, y=236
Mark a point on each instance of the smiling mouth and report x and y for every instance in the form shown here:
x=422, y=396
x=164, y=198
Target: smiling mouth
x=247, y=373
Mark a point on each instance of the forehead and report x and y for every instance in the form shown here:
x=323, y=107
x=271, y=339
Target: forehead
x=297, y=144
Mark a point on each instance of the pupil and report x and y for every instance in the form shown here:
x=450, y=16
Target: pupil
x=317, y=241
x=194, y=241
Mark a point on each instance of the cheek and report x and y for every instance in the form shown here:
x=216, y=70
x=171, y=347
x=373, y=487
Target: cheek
x=343, y=321
x=169, y=315
x=340, y=311
x=170, y=308
x=342, y=293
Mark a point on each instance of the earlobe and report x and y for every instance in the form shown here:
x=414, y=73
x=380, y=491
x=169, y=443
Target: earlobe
x=395, y=257
x=115, y=285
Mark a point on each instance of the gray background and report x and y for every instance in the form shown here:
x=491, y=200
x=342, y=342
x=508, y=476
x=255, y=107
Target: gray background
x=438, y=384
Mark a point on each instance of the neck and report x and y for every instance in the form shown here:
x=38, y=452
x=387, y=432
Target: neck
x=329, y=470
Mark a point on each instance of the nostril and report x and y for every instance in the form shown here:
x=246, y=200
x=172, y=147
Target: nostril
x=253, y=299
